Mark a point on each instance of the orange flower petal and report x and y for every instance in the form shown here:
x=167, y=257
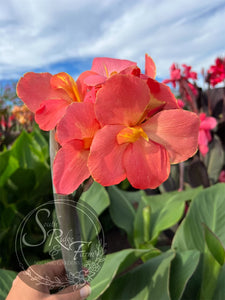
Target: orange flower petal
x=70, y=167
x=50, y=113
x=146, y=164
x=106, y=156
x=106, y=66
x=161, y=92
x=176, y=130
x=122, y=100
x=34, y=88
x=150, y=68
x=79, y=122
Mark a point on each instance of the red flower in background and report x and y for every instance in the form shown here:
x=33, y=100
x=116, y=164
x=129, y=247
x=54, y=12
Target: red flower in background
x=187, y=74
x=222, y=176
x=216, y=73
x=207, y=124
x=175, y=75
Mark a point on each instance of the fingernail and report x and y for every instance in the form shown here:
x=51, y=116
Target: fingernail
x=85, y=291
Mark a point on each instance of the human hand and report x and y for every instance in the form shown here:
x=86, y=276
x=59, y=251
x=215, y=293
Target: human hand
x=26, y=287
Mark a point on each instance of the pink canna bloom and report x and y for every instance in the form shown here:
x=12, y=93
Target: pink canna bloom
x=48, y=96
x=104, y=67
x=75, y=133
x=222, y=176
x=188, y=74
x=216, y=72
x=134, y=143
x=175, y=75
x=207, y=124
x=180, y=103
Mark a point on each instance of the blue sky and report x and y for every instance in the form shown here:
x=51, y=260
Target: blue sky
x=65, y=35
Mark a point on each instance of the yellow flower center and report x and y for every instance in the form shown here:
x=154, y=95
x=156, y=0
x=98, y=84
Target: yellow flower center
x=131, y=134
x=66, y=82
x=87, y=142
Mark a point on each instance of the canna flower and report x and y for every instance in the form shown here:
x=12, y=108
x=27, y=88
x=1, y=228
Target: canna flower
x=180, y=103
x=222, y=176
x=175, y=75
x=75, y=133
x=104, y=67
x=188, y=74
x=216, y=73
x=207, y=124
x=48, y=96
x=134, y=143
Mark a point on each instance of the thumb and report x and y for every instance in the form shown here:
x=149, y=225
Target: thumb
x=73, y=293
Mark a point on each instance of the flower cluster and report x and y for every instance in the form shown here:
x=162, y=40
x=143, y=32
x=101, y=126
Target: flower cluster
x=187, y=89
x=216, y=73
x=112, y=123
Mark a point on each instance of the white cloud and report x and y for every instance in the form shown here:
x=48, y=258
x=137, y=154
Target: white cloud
x=36, y=34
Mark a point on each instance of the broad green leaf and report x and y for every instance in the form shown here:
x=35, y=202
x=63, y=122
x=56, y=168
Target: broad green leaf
x=147, y=281
x=167, y=209
x=6, y=279
x=210, y=273
x=121, y=210
x=182, y=268
x=215, y=159
x=8, y=165
x=41, y=142
x=208, y=207
x=113, y=264
x=27, y=151
x=97, y=197
x=214, y=245
x=134, y=197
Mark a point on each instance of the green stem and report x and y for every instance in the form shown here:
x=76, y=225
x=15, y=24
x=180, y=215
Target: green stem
x=70, y=238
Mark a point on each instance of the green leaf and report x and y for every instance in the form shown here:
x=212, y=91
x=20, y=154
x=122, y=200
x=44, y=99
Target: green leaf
x=220, y=288
x=215, y=159
x=134, y=197
x=8, y=165
x=214, y=245
x=6, y=279
x=207, y=207
x=23, y=179
x=97, y=197
x=167, y=209
x=121, y=211
x=113, y=264
x=182, y=268
x=210, y=273
x=148, y=281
